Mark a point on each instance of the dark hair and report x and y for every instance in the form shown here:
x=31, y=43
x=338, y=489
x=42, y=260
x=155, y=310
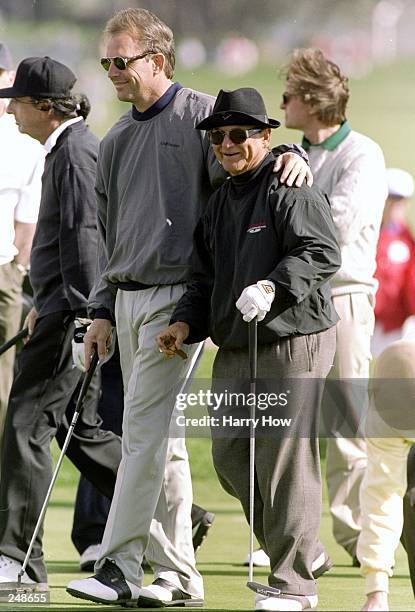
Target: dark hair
x=77, y=105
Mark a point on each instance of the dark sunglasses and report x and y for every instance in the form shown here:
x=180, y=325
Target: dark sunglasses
x=286, y=97
x=237, y=135
x=122, y=62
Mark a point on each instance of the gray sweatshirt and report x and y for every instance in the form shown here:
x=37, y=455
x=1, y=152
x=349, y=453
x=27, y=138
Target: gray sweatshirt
x=154, y=178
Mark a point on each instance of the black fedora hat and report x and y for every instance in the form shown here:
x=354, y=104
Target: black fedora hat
x=41, y=77
x=243, y=106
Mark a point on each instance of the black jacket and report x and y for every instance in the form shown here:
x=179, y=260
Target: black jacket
x=64, y=251
x=254, y=229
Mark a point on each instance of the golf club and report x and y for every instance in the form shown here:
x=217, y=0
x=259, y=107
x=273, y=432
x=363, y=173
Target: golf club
x=207, y=517
x=22, y=334
x=193, y=364
x=257, y=587
x=78, y=408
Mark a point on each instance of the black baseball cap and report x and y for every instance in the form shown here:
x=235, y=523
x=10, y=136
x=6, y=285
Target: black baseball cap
x=6, y=62
x=41, y=77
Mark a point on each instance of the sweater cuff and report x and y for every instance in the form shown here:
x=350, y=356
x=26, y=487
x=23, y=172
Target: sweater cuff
x=291, y=148
x=376, y=581
x=81, y=313
x=196, y=332
x=103, y=313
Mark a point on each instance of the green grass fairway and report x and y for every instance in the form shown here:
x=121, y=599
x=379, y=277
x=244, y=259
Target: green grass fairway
x=219, y=558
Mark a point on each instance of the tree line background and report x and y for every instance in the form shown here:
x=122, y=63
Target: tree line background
x=233, y=43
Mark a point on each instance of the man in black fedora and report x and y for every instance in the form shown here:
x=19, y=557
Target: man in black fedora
x=265, y=252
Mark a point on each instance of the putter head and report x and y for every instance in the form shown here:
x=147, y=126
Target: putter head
x=20, y=588
x=263, y=589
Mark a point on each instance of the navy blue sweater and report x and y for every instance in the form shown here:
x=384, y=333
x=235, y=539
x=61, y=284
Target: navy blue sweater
x=63, y=257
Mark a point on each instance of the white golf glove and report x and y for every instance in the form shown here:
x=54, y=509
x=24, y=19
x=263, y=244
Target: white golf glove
x=256, y=300
x=78, y=350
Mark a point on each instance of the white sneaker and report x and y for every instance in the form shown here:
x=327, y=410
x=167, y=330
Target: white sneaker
x=321, y=565
x=286, y=602
x=161, y=594
x=259, y=558
x=107, y=586
x=9, y=568
x=88, y=558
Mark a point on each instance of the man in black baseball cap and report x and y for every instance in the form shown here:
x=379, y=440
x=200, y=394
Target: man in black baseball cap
x=42, y=84
x=62, y=272
x=39, y=77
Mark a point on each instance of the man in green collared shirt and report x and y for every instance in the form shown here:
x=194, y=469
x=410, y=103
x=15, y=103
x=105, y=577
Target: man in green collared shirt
x=350, y=168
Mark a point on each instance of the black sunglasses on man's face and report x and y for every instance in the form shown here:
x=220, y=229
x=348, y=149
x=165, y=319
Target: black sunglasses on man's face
x=286, y=97
x=237, y=135
x=122, y=62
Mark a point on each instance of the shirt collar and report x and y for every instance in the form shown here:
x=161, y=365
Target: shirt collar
x=159, y=105
x=52, y=138
x=332, y=141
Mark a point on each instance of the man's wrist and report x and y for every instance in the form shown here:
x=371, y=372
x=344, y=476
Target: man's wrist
x=103, y=313
x=22, y=269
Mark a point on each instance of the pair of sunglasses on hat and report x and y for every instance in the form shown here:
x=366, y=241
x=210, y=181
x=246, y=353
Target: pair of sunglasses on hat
x=122, y=62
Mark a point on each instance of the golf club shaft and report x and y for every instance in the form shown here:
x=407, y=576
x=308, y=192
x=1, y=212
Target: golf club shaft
x=78, y=408
x=253, y=352
x=260, y=589
x=7, y=345
x=193, y=364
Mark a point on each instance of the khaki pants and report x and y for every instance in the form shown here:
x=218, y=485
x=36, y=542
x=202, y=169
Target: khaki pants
x=386, y=501
x=382, y=494
x=346, y=457
x=151, y=506
x=10, y=314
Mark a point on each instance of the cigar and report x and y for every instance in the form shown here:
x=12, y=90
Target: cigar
x=178, y=352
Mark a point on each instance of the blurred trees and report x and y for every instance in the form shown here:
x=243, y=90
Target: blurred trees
x=208, y=19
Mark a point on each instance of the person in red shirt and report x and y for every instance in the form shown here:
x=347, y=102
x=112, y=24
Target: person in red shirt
x=395, y=297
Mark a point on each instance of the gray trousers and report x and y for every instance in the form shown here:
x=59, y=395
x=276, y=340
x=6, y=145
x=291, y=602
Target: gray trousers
x=151, y=506
x=287, y=465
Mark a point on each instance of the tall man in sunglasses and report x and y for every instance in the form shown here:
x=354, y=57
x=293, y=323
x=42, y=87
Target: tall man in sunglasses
x=155, y=173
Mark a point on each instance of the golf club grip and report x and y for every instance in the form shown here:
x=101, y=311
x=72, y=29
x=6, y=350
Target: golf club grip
x=87, y=381
x=253, y=348
x=22, y=334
